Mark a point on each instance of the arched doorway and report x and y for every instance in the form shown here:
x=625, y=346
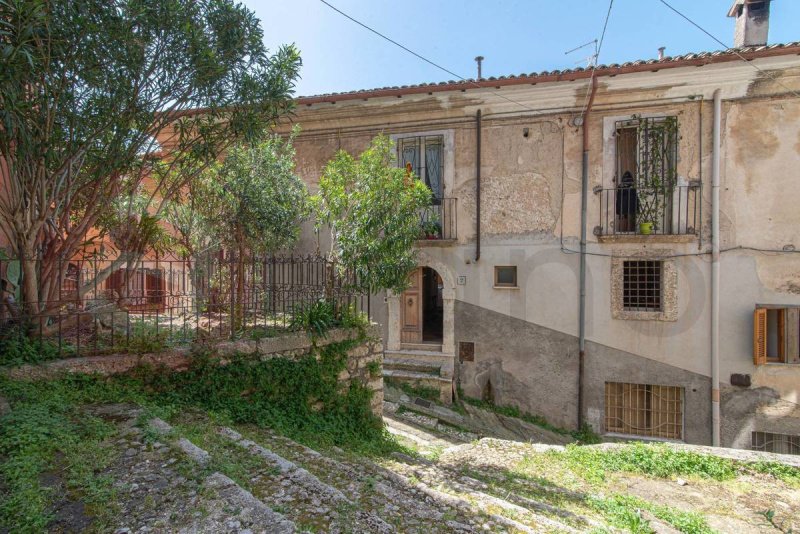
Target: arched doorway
x=422, y=308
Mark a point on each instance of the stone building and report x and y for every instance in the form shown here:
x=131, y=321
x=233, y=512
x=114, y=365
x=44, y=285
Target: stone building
x=689, y=170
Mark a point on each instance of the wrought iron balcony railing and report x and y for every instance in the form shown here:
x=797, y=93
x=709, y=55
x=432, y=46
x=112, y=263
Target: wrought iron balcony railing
x=650, y=211
x=438, y=221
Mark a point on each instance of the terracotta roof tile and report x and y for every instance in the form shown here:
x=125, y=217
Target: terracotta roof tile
x=532, y=77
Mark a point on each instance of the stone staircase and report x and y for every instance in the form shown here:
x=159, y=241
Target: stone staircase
x=421, y=365
x=264, y=482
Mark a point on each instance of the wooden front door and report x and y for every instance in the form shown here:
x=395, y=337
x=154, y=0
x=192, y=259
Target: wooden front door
x=411, y=310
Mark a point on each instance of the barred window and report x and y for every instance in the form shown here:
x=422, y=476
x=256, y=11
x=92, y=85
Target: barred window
x=780, y=443
x=641, y=285
x=644, y=410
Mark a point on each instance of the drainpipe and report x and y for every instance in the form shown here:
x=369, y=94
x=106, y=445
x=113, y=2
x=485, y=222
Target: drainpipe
x=582, y=292
x=478, y=187
x=715, y=420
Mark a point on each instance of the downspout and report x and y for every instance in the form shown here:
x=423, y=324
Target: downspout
x=582, y=291
x=478, y=186
x=715, y=419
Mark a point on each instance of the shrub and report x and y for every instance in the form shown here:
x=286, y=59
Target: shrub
x=315, y=318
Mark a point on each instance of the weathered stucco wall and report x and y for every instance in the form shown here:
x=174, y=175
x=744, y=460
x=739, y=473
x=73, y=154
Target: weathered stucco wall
x=531, y=218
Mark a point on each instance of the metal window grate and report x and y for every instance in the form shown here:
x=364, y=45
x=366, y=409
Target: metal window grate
x=779, y=443
x=644, y=410
x=641, y=285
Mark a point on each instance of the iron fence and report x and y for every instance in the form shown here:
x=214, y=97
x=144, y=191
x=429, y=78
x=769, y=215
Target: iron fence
x=438, y=221
x=645, y=211
x=110, y=305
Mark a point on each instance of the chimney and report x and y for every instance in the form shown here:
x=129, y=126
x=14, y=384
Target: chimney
x=661, y=52
x=479, y=60
x=752, y=22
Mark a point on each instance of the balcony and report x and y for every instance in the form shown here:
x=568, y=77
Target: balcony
x=438, y=222
x=640, y=213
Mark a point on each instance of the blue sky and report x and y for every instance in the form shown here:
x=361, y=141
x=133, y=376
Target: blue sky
x=515, y=36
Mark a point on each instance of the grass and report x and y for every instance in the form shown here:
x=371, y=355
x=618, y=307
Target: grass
x=45, y=435
x=662, y=461
x=624, y=511
x=301, y=399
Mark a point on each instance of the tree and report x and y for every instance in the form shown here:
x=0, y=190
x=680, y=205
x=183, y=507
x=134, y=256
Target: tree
x=372, y=209
x=251, y=204
x=101, y=99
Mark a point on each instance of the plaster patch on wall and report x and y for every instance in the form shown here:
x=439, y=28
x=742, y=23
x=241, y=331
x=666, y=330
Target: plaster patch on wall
x=779, y=273
x=514, y=204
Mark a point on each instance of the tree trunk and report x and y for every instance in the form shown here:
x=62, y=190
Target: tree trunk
x=30, y=283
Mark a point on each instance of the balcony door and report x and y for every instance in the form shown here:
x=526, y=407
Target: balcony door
x=424, y=156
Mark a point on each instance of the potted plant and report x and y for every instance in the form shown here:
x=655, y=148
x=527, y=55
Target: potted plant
x=431, y=229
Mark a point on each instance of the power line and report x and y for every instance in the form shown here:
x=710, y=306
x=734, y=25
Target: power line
x=728, y=49
x=599, y=45
x=423, y=58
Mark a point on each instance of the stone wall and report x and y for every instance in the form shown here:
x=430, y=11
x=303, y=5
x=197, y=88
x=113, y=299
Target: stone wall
x=293, y=346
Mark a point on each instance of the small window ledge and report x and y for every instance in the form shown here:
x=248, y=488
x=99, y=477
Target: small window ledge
x=506, y=287
x=644, y=239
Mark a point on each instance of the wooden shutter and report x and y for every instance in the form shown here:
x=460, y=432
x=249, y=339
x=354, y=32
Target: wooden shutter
x=793, y=335
x=760, y=336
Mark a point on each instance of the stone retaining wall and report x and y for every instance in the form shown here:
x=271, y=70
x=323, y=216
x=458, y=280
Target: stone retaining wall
x=292, y=345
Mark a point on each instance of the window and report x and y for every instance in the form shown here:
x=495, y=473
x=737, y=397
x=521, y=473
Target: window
x=779, y=443
x=641, y=285
x=505, y=276
x=644, y=410
x=424, y=157
x=142, y=289
x=644, y=286
x=645, y=178
x=776, y=335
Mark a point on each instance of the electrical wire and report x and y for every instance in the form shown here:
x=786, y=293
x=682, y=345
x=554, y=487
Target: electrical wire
x=597, y=57
x=730, y=50
x=423, y=58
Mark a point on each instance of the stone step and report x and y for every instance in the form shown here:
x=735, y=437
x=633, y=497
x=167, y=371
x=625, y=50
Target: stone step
x=371, y=487
x=425, y=347
x=425, y=437
x=415, y=376
x=525, y=515
x=329, y=497
x=411, y=364
x=436, y=356
x=223, y=496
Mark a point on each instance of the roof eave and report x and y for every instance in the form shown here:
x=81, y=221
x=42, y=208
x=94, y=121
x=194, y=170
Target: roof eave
x=668, y=63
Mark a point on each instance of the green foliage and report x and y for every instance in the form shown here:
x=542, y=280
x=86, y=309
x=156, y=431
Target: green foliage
x=44, y=434
x=656, y=460
x=90, y=89
x=372, y=210
x=374, y=369
x=17, y=348
x=350, y=317
x=300, y=398
x=786, y=473
x=315, y=318
x=253, y=200
x=624, y=511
